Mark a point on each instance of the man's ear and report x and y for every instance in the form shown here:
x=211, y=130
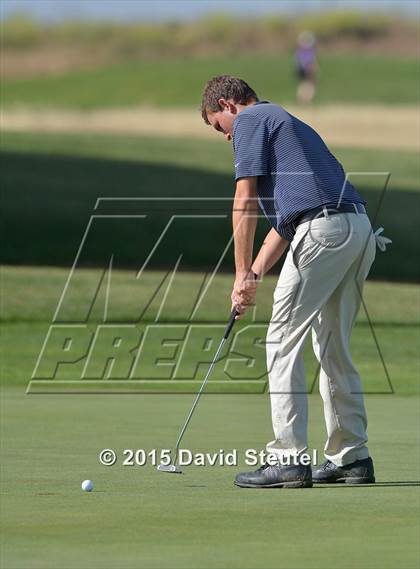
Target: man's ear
x=223, y=104
x=227, y=105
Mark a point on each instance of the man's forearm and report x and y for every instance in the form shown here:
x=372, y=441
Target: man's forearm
x=271, y=250
x=244, y=220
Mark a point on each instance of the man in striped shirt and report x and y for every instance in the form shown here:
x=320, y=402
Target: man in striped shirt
x=283, y=165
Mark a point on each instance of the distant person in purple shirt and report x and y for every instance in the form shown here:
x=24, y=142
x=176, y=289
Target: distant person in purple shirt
x=306, y=67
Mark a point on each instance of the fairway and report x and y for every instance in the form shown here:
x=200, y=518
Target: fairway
x=178, y=82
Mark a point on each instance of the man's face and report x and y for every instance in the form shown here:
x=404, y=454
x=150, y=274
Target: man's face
x=223, y=120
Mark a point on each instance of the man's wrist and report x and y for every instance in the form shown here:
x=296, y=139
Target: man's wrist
x=246, y=275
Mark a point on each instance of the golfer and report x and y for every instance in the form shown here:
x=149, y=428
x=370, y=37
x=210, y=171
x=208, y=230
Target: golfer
x=284, y=165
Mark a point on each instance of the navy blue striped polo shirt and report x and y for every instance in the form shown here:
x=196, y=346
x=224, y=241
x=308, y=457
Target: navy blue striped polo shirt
x=296, y=171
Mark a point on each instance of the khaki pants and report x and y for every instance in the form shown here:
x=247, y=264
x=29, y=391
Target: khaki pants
x=320, y=288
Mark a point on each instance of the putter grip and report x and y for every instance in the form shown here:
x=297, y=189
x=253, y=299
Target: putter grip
x=230, y=324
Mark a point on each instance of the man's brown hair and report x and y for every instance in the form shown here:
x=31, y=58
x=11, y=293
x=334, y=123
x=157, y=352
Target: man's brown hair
x=226, y=87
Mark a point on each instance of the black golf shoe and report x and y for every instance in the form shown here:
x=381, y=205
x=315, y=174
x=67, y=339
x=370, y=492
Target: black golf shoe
x=358, y=472
x=277, y=476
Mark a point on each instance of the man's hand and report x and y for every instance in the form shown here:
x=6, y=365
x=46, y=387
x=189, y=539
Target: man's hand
x=244, y=291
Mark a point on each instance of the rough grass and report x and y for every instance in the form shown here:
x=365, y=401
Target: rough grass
x=51, y=184
x=227, y=31
x=207, y=155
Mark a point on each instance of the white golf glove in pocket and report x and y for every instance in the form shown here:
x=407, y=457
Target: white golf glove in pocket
x=381, y=240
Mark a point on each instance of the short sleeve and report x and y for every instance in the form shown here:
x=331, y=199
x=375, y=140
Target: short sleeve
x=250, y=145
x=286, y=231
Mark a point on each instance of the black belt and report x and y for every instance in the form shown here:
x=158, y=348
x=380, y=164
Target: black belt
x=330, y=209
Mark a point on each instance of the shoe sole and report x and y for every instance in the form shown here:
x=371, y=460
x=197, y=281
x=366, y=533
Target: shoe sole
x=349, y=480
x=292, y=484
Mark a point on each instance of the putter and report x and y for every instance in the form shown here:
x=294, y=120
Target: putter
x=173, y=468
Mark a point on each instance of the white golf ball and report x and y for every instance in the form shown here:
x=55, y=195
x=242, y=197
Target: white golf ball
x=87, y=485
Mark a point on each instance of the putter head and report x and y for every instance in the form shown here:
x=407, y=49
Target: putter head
x=169, y=468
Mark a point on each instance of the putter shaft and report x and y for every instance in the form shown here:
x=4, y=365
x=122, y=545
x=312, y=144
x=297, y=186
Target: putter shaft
x=197, y=397
x=228, y=329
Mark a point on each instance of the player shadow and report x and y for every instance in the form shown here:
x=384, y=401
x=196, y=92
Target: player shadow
x=374, y=485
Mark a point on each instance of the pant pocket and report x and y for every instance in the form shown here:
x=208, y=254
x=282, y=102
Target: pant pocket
x=326, y=239
x=307, y=251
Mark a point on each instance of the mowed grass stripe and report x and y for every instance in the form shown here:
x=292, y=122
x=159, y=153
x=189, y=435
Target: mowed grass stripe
x=179, y=82
x=392, y=308
x=386, y=303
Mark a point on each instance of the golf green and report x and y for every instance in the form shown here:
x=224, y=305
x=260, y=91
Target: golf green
x=138, y=517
